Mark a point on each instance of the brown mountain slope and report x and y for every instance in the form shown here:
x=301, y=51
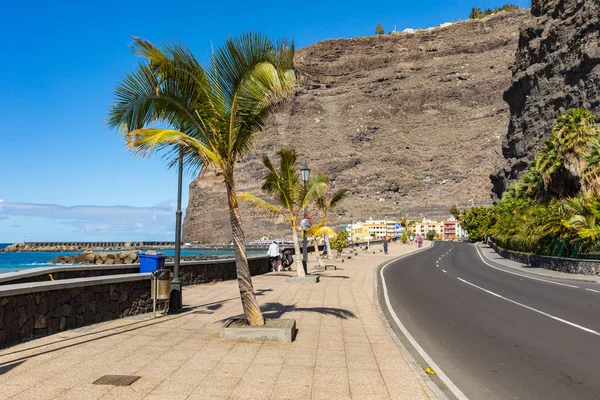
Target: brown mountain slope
x=380, y=115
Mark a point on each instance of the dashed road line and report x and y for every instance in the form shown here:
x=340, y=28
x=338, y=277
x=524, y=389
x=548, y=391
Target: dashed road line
x=593, y=290
x=445, y=271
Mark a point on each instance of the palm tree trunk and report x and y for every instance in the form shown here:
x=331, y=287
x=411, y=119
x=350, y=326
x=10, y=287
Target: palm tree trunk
x=319, y=259
x=249, y=303
x=297, y=254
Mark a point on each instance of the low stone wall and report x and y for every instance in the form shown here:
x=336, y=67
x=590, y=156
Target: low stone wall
x=197, y=272
x=37, y=309
x=523, y=258
x=59, y=273
x=568, y=265
x=560, y=264
x=31, y=305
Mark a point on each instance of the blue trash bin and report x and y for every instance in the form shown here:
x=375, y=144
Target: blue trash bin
x=150, y=262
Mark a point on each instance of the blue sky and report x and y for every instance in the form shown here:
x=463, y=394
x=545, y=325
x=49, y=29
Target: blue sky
x=61, y=62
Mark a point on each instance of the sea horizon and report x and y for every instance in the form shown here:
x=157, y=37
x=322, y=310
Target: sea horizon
x=18, y=261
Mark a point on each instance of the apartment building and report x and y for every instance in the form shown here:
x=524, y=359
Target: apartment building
x=373, y=229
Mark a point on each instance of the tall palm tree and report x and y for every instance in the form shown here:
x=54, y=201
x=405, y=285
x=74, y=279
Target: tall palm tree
x=212, y=114
x=549, y=161
x=325, y=205
x=321, y=230
x=574, y=130
x=286, y=188
x=591, y=173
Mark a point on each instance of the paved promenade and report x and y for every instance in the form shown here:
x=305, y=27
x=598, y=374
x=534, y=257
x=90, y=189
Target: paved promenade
x=342, y=349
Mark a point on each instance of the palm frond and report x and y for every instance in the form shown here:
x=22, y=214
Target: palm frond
x=147, y=140
x=324, y=231
x=337, y=197
x=262, y=204
x=315, y=187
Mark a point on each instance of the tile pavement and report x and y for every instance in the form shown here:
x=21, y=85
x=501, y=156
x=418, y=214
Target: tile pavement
x=342, y=349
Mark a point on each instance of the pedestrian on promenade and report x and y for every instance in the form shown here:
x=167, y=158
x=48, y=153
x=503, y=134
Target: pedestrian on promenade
x=385, y=245
x=274, y=256
x=411, y=239
x=419, y=241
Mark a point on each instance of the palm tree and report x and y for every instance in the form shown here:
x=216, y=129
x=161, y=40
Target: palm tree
x=549, y=161
x=212, y=114
x=325, y=205
x=591, y=173
x=288, y=191
x=321, y=230
x=574, y=130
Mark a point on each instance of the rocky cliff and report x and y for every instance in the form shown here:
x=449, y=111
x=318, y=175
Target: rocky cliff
x=410, y=122
x=557, y=67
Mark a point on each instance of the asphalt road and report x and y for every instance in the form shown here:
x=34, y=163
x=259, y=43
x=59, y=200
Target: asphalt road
x=498, y=335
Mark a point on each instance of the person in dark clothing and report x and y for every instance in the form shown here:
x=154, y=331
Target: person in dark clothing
x=385, y=245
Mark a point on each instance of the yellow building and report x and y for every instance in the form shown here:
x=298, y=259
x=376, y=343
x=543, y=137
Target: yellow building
x=358, y=232
x=426, y=225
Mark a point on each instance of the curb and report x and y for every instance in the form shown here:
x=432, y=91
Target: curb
x=417, y=368
x=565, y=277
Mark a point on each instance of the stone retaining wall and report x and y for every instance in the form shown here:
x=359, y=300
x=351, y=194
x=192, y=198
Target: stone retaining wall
x=194, y=273
x=66, y=273
x=34, y=306
x=560, y=264
x=28, y=315
x=568, y=265
x=522, y=258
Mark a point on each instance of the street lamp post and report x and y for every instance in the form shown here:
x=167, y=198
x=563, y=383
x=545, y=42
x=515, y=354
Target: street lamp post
x=305, y=175
x=175, y=300
x=351, y=232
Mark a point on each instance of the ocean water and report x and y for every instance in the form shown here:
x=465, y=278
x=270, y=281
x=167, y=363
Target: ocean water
x=18, y=261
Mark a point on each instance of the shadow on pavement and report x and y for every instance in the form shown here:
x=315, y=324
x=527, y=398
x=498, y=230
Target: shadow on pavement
x=276, y=310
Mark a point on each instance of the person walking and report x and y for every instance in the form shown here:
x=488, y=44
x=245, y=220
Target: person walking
x=385, y=245
x=419, y=241
x=274, y=256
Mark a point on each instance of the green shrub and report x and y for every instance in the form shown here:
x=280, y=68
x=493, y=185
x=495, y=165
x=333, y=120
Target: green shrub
x=340, y=242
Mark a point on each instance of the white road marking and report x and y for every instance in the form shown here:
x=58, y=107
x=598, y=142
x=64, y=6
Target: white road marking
x=583, y=328
x=524, y=276
x=445, y=271
x=432, y=364
x=593, y=290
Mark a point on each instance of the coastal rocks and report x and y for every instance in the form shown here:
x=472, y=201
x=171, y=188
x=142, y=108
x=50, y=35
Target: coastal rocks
x=557, y=67
x=124, y=257
x=77, y=246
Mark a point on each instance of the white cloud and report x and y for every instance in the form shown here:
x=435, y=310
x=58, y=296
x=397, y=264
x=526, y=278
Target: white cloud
x=136, y=223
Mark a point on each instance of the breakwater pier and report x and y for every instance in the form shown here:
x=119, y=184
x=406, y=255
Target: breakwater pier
x=81, y=246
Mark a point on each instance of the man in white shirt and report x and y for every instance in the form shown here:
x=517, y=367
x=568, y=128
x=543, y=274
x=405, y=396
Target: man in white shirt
x=274, y=256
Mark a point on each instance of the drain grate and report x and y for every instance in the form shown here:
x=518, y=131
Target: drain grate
x=117, y=380
x=203, y=312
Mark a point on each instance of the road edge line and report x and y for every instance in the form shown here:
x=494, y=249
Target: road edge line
x=405, y=352
x=482, y=255
x=418, y=368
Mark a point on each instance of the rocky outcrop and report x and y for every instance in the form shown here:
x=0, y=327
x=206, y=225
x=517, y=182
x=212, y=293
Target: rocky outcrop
x=557, y=67
x=107, y=258
x=407, y=121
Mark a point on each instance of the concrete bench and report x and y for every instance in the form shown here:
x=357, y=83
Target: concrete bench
x=325, y=268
